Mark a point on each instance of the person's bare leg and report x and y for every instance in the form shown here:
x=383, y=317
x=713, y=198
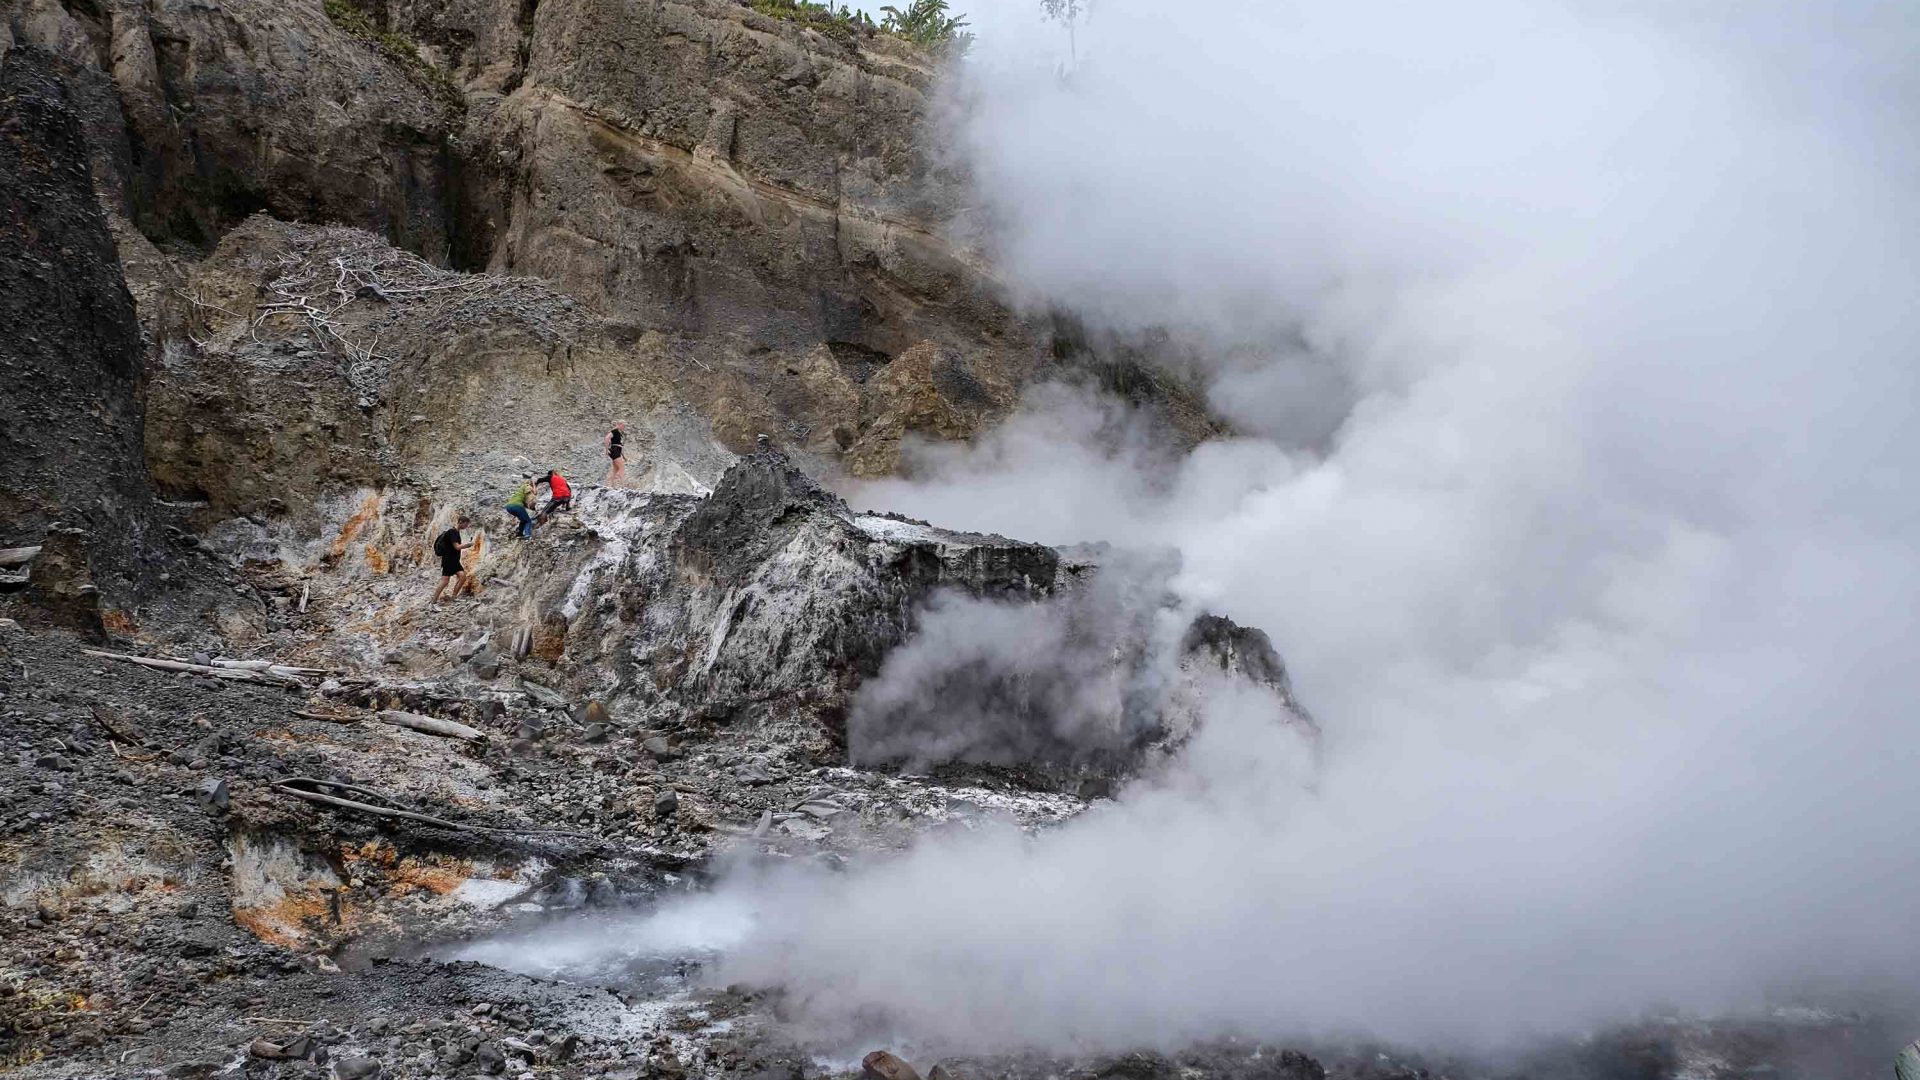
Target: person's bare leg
x=442, y=587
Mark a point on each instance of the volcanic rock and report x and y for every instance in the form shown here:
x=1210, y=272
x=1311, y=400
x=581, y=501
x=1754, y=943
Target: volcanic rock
x=881, y=1065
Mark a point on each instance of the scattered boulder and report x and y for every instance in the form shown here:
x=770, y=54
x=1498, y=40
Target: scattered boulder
x=61, y=585
x=881, y=1065
x=485, y=664
x=471, y=644
x=212, y=794
x=666, y=803
x=801, y=828
x=544, y=696
x=296, y=1049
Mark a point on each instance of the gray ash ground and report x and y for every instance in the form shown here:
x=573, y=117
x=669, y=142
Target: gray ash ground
x=144, y=928
x=122, y=950
x=166, y=909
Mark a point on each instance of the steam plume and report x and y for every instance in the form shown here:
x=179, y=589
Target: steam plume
x=1573, y=348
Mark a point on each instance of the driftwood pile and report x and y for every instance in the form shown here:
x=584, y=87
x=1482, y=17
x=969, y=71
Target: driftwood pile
x=256, y=671
x=329, y=269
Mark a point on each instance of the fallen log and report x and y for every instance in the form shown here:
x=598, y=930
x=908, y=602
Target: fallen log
x=269, y=666
x=268, y=677
x=19, y=556
x=301, y=787
x=331, y=718
x=432, y=725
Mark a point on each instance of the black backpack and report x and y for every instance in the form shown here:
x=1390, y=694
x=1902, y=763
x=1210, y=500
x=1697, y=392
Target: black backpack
x=443, y=547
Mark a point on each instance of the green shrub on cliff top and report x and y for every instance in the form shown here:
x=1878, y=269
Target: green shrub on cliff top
x=397, y=47
x=927, y=24
x=837, y=21
x=924, y=22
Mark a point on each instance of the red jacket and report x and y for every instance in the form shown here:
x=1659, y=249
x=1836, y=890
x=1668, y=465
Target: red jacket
x=560, y=488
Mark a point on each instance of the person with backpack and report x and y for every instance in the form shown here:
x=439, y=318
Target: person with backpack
x=560, y=494
x=448, y=546
x=517, y=506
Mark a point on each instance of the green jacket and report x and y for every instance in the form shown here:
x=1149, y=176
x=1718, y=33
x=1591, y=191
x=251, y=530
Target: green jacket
x=521, y=494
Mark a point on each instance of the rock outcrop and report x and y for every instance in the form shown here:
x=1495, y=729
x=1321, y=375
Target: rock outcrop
x=746, y=193
x=201, y=114
x=70, y=350
x=768, y=607
x=302, y=362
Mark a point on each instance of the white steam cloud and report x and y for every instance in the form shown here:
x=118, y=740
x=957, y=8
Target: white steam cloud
x=1087, y=679
x=1574, y=348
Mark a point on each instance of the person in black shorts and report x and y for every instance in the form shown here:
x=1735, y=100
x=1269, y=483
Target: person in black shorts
x=449, y=547
x=616, y=453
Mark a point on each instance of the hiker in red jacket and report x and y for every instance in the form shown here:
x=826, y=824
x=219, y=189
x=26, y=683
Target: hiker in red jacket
x=560, y=494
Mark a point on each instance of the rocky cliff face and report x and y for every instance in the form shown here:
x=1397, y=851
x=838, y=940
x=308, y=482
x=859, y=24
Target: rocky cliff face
x=200, y=114
x=721, y=227
x=74, y=483
x=288, y=286
x=742, y=191
x=70, y=362
x=296, y=363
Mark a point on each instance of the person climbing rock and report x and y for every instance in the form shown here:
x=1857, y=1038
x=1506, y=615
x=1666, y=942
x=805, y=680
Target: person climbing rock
x=560, y=494
x=517, y=506
x=616, y=453
x=450, y=548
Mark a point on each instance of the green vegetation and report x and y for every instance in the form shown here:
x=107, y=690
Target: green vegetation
x=924, y=22
x=927, y=24
x=1067, y=13
x=397, y=47
x=838, y=22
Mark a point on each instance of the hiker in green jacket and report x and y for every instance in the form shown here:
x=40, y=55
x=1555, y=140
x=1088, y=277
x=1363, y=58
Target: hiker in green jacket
x=517, y=506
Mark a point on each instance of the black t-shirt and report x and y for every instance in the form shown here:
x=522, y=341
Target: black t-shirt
x=613, y=443
x=448, y=546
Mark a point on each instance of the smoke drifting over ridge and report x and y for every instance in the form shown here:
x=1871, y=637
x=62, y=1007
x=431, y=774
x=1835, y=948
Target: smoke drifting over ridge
x=1600, y=577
